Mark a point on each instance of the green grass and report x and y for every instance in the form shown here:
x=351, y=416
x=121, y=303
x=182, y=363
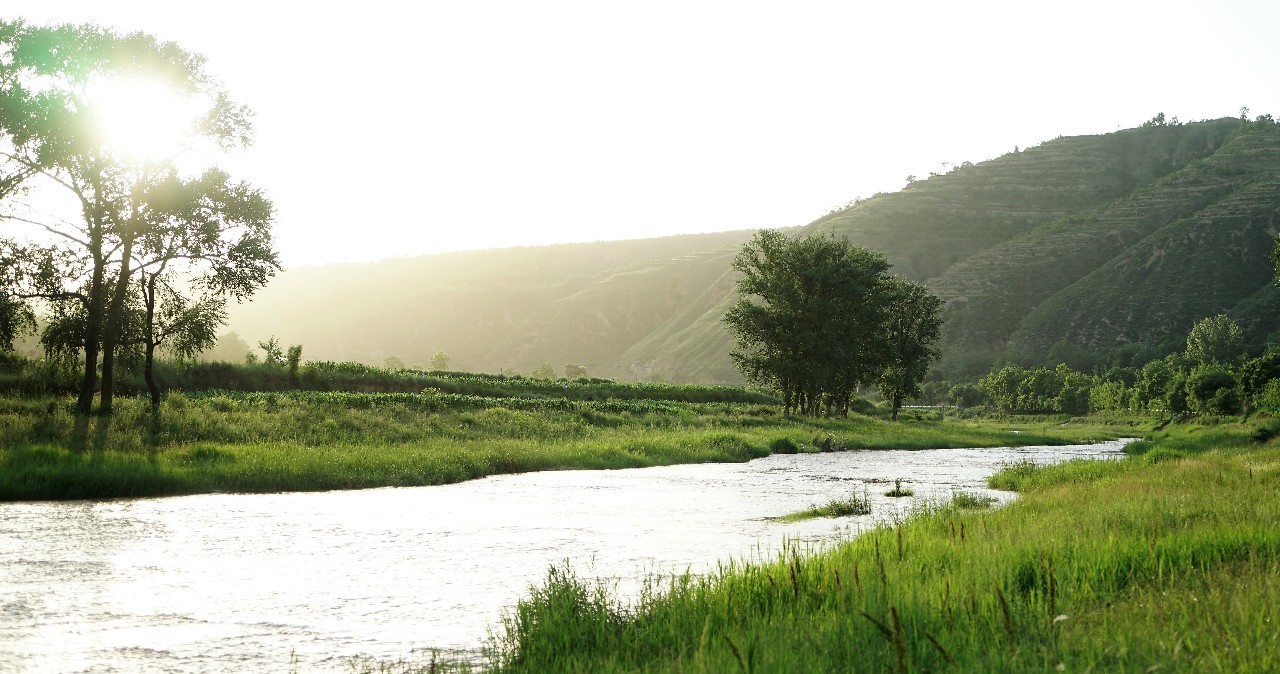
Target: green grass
x=966, y=501
x=898, y=490
x=850, y=506
x=300, y=441
x=1139, y=566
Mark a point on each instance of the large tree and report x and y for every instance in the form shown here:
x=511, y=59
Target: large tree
x=914, y=325
x=103, y=119
x=811, y=317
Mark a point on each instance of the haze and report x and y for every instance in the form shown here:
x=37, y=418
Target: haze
x=386, y=129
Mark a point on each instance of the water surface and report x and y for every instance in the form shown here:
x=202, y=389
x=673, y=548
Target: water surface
x=236, y=582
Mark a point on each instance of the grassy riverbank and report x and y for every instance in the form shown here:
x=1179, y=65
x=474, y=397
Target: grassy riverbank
x=266, y=442
x=1167, y=561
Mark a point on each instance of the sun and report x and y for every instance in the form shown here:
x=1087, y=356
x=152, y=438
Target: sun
x=143, y=120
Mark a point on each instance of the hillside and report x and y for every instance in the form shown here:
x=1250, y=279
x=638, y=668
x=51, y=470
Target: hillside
x=510, y=308
x=1066, y=251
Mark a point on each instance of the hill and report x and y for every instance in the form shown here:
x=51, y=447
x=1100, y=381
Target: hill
x=1076, y=250
x=617, y=307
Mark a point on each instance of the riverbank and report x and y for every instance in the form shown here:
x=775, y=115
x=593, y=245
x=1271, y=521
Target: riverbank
x=1166, y=561
x=312, y=441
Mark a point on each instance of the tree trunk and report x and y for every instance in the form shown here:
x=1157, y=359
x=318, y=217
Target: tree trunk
x=897, y=403
x=148, y=367
x=115, y=321
x=92, y=341
x=148, y=374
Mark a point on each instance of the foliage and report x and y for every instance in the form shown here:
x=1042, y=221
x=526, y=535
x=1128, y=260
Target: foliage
x=543, y=371
x=440, y=361
x=129, y=214
x=1214, y=341
x=810, y=321
x=914, y=325
x=1212, y=390
x=966, y=395
x=1019, y=390
x=271, y=353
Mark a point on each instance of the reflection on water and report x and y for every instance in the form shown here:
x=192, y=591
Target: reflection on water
x=233, y=583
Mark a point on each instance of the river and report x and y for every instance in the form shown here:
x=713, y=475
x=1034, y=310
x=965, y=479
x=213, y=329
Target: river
x=267, y=582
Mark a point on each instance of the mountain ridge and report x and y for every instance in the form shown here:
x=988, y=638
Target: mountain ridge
x=1069, y=250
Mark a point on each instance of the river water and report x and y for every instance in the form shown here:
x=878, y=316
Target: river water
x=274, y=582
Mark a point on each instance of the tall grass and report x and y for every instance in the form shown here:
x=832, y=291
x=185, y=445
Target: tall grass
x=257, y=442
x=1153, y=567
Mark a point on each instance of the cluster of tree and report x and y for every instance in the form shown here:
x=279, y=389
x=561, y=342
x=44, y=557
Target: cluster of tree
x=1213, y=375
x=132, y=253
x=818, y=318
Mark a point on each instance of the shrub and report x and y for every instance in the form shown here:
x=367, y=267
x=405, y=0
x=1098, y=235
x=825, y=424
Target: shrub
x=784, y=446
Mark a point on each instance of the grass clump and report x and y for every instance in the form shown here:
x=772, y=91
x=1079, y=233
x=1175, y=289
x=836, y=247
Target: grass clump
x=898, y=490
x=850, y=506
x=969, y=501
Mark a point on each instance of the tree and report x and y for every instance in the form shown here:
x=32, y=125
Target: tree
x=210, y=237
x=575, y=371
x=1210, y=389
x=293, y=358
x=440, y=361
x=966, y=395
x=543, y=371
x=1257, y=373
x=98, y=119
x=393, y=363
x=188, y=327
x=914, y=325
x=228, y=348
x=810, y=321
x=271, y=353
x=1215, y=340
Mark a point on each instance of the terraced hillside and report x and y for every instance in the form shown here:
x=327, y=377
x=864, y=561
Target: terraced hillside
x=1066, y=251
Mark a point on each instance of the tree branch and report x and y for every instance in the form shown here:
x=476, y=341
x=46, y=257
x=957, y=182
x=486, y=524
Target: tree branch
x=45, y=227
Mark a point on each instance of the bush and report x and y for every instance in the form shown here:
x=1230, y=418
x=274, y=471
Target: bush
x=784, y=446
x=1212, y=390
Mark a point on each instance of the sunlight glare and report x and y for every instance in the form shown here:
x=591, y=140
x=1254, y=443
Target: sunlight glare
x=142, y=119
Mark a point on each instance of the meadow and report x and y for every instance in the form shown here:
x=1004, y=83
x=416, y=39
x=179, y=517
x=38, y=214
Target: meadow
x=236, y=441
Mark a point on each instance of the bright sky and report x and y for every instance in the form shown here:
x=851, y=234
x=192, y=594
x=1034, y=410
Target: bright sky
x=389, y=128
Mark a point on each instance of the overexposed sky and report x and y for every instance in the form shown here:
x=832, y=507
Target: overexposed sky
x=401, y=128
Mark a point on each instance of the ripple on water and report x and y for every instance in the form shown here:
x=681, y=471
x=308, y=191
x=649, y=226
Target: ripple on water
x=229, y=583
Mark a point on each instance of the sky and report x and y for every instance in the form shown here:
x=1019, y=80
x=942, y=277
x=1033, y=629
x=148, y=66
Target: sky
x=388, y=129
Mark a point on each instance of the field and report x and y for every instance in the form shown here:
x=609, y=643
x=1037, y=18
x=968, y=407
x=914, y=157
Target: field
x=220, y=441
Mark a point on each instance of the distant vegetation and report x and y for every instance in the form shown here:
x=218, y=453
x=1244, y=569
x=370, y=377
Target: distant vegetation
x=283, y=373
x=1081, y=250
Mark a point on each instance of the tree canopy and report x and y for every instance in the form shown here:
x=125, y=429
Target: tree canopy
x=816, y=320
x=105, y=226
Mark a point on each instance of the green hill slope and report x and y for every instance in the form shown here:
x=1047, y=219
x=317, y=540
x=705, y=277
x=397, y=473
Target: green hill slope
x=509, y=308
x=1068, y=250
